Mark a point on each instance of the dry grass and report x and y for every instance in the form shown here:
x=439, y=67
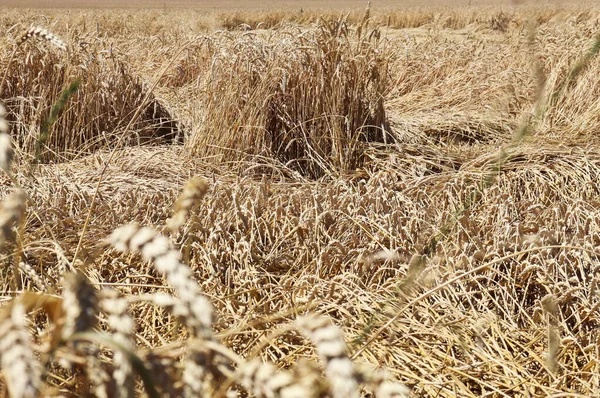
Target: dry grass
x=455, y=255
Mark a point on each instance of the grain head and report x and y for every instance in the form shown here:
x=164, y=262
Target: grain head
x=80, y=305
x=6, y=149
x=195, y=311
x=264, y=381
x=21, y=370
x=42, y=34
x=12, y=211
x=193, y=192
x=330, y=345
x=122, y=326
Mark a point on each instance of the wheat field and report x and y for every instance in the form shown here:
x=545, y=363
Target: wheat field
x=385, y=202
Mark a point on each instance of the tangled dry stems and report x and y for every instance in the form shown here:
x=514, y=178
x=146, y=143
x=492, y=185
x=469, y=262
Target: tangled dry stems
x=503, y=301
x=80, y=307
x=80, y=304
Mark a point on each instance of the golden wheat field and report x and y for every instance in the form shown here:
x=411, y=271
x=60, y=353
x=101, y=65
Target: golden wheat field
x=386, y=202
x=235, y=5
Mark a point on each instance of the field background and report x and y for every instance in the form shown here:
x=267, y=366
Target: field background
x=426, y=177
x=252, y=4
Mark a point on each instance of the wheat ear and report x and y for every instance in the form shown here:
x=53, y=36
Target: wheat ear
x=193, y=191
x=122, y=325
x=42, y=34
x=33, y=276
x=12, y=210
x=199, y=362
x=389, y=389
x=22, y=372
x=6, y=150
x=264, y=381
x=3, y=122
x=379, y=382
x=330, y=345
x=80, y=305
x=195, y=310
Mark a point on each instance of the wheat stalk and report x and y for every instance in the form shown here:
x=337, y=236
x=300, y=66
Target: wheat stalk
x=122, y=325
x=22, y=372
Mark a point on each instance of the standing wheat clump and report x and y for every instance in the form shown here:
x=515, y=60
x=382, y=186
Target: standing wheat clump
x=42, y=34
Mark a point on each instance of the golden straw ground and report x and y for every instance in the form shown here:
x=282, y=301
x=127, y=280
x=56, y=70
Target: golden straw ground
x=354, y=210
